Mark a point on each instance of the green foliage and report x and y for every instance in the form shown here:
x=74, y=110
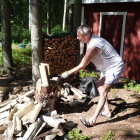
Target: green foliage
x=84, y=73
x=132, y=85
x=107, y=135
x=0, y=57
x=57, y=29
x=75, y=134
x=19, y=34
x=21, y=56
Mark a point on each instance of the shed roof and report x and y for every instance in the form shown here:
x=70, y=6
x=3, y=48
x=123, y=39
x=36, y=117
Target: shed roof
x=104, y=1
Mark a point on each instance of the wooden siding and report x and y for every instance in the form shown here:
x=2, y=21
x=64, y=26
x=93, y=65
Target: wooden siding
x=131, y=49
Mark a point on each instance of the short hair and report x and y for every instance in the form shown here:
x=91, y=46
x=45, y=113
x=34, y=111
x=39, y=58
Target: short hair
x=84, y=29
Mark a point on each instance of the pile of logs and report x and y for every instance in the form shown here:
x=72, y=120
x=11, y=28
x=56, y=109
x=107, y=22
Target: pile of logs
x=61, y=53
x=26, y=116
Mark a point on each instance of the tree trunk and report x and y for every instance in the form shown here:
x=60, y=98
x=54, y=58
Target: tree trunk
x=49, y=17
x=77, y=14
x=64, y=15
x=6, y=36
x=36, y=38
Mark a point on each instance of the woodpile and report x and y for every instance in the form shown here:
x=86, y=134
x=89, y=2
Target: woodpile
x=61, y=53
x=32, y=115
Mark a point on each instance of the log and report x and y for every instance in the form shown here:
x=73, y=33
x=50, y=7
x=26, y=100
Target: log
x=2, y=128
x=33, y=129
x=3, y=122
x=10, y=117
x=36, y=111
x=5, y=108
x=18, y=126
x=50, y=132
x=51, y=121
x=25, y=110
x=10, y=130
x=14, y=102
x=78, y=93
x=29, y=131
x=44, y=75
x=4, y=114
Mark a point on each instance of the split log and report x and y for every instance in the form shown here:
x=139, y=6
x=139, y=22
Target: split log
x=14, y=102
x=5, y=108
x=4, y=114
x=25, y=110
x=10, y=117
x=78, y=93
x=29, y=131
x=53, y=131
x=36, y=111
x=33, y=129
x=51, y=121
x=44, y=75
x=18, y=125
x=2, y=128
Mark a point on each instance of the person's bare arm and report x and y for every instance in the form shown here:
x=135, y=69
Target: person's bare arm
x=90, y=52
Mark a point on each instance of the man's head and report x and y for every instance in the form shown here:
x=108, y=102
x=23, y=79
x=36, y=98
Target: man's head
x=84, y=33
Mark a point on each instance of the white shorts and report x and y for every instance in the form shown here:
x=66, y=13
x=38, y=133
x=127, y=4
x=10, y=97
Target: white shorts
x=113, y=75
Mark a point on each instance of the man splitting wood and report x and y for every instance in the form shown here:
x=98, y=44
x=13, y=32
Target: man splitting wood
x=106, y=59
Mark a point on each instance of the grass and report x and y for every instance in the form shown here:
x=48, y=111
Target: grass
x=75, y=134
x=132, y=85
x=85, y=73
x=107, y=135
x=21, y=57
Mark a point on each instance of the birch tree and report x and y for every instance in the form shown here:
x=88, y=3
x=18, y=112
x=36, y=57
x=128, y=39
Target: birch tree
x=36, y=37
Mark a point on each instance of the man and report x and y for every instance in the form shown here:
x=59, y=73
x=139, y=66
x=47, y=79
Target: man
x=106, y=59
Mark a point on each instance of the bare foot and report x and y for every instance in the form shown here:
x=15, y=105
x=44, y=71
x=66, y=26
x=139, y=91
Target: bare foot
x=106, y=114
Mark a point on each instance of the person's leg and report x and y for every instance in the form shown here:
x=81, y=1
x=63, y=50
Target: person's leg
x=102, y=100
x=105, y=111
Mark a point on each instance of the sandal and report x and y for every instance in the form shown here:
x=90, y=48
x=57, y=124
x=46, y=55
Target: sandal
x=86, y=122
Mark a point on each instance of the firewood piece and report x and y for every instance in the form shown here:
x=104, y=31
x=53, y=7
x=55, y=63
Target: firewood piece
x=36, y=111
x=18, y=126
x=17, y=89
x=48, y=67
x=41, y=127
x=31, y=132
x=44, y=75
x=25, y=110
x=26, y=117
x=13, y=102
x=50, y=132
x=52, y=113
x=5, y=108
x=51, y=121
x=78, y=93
x=4, y=114
x=10, y=130
x=12, y=113
x=3, y=128
x=3, y=121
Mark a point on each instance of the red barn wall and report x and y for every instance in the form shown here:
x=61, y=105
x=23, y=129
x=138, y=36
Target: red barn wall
x=131, y=49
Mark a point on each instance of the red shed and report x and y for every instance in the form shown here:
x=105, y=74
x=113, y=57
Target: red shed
x=118, y=21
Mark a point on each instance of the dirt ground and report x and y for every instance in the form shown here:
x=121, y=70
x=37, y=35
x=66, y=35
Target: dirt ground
x=125, y=108
x=124, y=123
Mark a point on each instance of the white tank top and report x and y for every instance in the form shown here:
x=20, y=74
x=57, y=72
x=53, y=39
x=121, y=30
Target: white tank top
x=108, y=58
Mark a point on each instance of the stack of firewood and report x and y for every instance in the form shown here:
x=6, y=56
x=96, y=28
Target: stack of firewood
x=61, y=53
x=23, y=117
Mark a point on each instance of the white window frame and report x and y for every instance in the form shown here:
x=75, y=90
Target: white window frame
x=123, y=26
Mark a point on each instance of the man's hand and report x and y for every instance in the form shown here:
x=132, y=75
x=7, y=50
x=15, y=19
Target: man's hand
x=64, y=75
